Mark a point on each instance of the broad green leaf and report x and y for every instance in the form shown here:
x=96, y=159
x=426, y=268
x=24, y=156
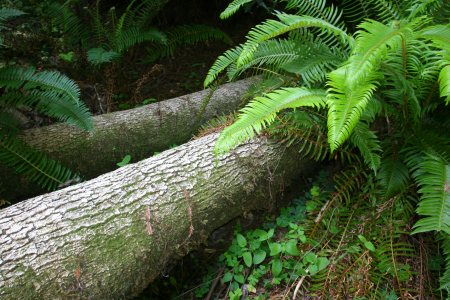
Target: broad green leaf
x=259, y=256
x=291, y=248
x=241, y=240
x=125, y=161
x=312, y=269
x=227, y=277
x=277, y=266
x=275, y=248
x=261, y=234
x=235, y=248
x=310, y=257
x=322, y=262
x=369, y=246
x=247, y=258
x=239, y=278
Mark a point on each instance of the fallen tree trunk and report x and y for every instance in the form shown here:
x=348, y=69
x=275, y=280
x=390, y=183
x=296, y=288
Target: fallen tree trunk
x=109, y=237
x=137, y=132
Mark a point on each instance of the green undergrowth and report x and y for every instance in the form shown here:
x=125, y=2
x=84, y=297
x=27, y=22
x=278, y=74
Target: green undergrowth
x=332, y=242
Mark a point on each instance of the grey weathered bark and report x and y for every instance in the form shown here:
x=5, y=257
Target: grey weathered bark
x=109, y=237
x=137, y=132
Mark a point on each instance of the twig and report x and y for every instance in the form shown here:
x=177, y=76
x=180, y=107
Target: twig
x=215, y=283
x=298, y=285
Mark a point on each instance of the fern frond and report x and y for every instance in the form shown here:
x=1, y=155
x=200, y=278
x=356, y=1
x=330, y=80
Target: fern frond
x=28, y=161
x=346, y=102
x=311, y=65
x=372, y=45
x=399, y=89
x=305, y=126
x=69, y=23
x=232, y=8
x=355, y=10
x=9, y=124
x=6, y=13
x=445, y=245
x=101, y=34
x=272, y=28
x=125, y=20
x=393, y=175
x=276, y=53
x=367, y=142
x=221, y=63
x=133, y=36
x=146, y=11
x=434, y=178
x=59, y=92
x=112, y=27
x=444, y=82
x=262, y=110
x=188, y=34
x=99, y=55
x=317, y=9
x=387, y=10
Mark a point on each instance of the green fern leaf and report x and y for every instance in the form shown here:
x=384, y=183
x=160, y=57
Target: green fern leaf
x=232, y=8
x=262, y=110
x=312, y=66
x=28, y=161
x=367, y=142
x=434, y=177
x=444, y=82
x=346, y=104
x=69, y=23
x=372, y=46
x=56, y=94
x=9, y=124
x=387, y=10
x=6, y=13
x=272, y=28
x=99, y=55
x=146, y=11
x=133, y=36
x=221, y=64
x=439, y=35
x=188, y=34
x=393, y=174
x=444, y=240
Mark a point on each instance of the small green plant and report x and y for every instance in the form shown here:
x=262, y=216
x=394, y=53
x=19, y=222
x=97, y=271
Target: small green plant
x=70, y=57
x=124, y=106
x=146, y=101
x=197, y=64
x=125, y=161
x=191, y=84
x=258, y=250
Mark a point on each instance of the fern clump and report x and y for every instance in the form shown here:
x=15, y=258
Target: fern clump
x=48, y=92
x=379, y=92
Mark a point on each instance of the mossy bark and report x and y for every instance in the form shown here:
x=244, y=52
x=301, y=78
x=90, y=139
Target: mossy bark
x=92, y=240
x=137, y=132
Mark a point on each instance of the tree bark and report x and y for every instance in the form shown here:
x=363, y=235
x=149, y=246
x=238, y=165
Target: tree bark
x=137, y=132
x=109, y=237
